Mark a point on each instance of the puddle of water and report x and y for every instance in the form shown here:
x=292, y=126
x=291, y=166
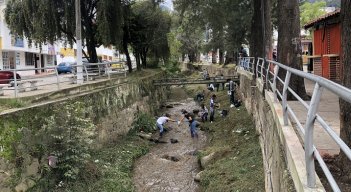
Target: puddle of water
x=171, y=166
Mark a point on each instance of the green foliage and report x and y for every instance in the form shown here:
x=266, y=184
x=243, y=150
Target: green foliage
x=9, y=138
x=240, y=167
x=310, y=11
x=43, y=21
x=175, y=46
x=143, y=122
x=110, y=169
x=148, y=29
x=210, y=25
x=69, y=136
x=172, y=68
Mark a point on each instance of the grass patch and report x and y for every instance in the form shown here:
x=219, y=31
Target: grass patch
x=240, y=168
x=6, y=104
x=110, y=169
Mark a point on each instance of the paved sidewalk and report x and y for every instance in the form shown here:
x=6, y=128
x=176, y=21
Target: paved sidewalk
x=329, y=110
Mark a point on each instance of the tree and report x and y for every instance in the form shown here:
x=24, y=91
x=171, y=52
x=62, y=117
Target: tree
x=126, y=38
x=149, y=28
x=289, y=43
x=224, y=23
x=43, y=21
x=310, y=11
x=345, y=107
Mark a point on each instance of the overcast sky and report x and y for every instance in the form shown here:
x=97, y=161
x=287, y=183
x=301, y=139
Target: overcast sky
x=169, y=4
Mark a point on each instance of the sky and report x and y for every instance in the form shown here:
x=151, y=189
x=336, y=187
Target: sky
x=169, y=4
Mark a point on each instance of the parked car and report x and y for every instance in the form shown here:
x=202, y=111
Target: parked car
x=65, y=67
x=6, y=77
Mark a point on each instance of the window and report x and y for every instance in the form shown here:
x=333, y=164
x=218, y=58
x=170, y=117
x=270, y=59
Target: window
x=18, y=58
x=5, y=60
x=30, y=59
x=50, y=60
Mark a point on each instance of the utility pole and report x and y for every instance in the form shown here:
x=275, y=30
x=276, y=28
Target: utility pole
x=79, y=43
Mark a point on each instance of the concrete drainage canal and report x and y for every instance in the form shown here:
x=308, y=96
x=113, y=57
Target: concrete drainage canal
x=172, y=164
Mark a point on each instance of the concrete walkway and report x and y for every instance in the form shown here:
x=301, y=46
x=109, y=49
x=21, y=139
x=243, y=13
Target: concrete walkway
x=329, y=110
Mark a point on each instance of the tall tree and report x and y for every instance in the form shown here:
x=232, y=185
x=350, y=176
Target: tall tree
x=43, y=21
x=224, y=23
x=149, y=28
x=126, y=38
x=289, y=43
x=345, y=107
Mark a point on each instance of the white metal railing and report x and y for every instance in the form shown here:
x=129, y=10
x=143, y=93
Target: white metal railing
x=247, y=63
x=51, y=79
x=267, y=71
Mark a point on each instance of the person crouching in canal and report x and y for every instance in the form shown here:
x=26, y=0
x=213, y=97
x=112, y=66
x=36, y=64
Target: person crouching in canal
x=192, y=123
x=161, y=121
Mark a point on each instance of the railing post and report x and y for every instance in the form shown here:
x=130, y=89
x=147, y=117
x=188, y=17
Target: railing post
x=262, y=66
x=108, y=70
x=257, y=64
x=285, y=96
x=57, y=78
x=276, y=70
x=86, y=72
x=267, y=71
x=15, y=82
x=125, y=71
x=309, y=126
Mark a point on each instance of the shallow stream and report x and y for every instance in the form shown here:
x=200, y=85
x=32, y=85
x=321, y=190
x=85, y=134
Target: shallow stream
x=171, y=166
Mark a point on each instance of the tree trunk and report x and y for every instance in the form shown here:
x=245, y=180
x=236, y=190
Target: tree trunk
x=259, y=40
x=345, y=107
x=144, y=57
x=126, y=52
x=268, y=28
x=221, y=56
x=137, y=58
x=125, y=47
x=256, y=45
x=289, y=44
x=214, y=56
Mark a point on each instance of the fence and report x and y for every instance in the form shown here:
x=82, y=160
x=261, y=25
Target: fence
x=267, y=71
x=12, y=84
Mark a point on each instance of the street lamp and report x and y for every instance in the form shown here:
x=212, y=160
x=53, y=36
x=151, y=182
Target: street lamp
x=79, y=43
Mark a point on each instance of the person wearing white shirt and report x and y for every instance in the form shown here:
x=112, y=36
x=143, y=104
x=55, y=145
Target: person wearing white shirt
x=162, y=120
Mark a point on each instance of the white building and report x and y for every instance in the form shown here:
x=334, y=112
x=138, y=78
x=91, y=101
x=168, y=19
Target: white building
x=16, y=53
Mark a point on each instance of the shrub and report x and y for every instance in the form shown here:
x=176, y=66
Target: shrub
x=69, y=135
x=143, y=122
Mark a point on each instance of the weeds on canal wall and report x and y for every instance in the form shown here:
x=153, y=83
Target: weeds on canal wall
x=239, y=165
x=108, y=169
x=143, y=122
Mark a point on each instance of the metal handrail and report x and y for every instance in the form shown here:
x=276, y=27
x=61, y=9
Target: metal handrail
x=103, y=70
x=271, y=69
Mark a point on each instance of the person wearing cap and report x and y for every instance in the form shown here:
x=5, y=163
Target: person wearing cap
x=192, y=122
x=162, y=120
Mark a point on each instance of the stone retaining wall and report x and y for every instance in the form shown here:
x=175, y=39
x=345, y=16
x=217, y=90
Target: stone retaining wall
x=111, y=109
x=283, y=155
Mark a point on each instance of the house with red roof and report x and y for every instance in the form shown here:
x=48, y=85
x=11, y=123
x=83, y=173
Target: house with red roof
x=326, y=43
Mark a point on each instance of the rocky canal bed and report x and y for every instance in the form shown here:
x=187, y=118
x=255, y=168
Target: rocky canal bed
x=171, y=166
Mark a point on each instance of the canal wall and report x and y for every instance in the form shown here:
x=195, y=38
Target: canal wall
x=111, y=109
x=283, y=154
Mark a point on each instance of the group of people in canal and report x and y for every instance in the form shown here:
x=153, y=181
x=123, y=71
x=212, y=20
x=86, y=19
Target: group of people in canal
x=203, y=113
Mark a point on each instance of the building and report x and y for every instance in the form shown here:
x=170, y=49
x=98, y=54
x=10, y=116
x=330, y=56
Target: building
x=326, y=43
x=17, y=53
